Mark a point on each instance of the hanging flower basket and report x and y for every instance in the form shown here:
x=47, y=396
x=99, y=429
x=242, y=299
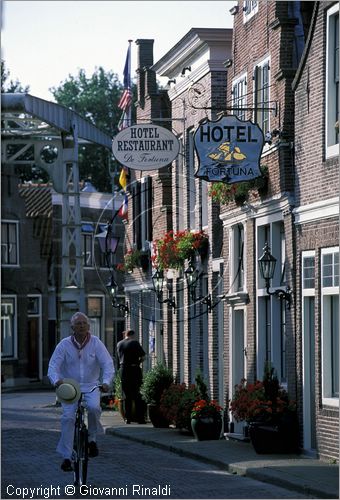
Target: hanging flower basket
x=224, y=193
x=131, y=261
x=171, y=251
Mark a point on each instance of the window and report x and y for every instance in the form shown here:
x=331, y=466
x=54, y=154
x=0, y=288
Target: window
x=87, y=244
x=95, y=315
x=308, y=272
x=250, y=7
x=204, y=202
x=271, y=328
x=8, y=327
x=179, y=188
x=261, y=95
x=191, y=181
x=146, y=212
x=9, y=243
x=332, y=82
x=239, y=97
x=142, y=212
x=330, y=325
x=237, y=277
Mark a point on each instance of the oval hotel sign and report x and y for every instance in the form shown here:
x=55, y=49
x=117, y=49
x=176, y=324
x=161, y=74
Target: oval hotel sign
x=145, y=147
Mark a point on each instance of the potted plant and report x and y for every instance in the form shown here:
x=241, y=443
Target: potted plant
x=171, y=251
x=131, y=261
x=206, y=420
x=271, y=416
x=155, y=381
x=225, y=193
x=176, y=405
x=206, y=414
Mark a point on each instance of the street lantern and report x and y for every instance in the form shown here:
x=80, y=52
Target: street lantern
x=112, y=288
x=192, y=275
x=158, y=283
x=267, y=265
x=107, y=242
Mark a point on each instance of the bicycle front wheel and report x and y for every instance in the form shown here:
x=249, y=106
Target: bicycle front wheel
x=81, y=456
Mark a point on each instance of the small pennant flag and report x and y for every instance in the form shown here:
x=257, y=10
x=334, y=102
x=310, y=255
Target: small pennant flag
x=123, y=211
x=123, y=178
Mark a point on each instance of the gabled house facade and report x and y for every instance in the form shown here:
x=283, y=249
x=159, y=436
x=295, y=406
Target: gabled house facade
x=187, y=338
x=268, y=40
x=316, y=228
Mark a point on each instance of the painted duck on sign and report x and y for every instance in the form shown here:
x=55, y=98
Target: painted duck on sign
x=227, y=153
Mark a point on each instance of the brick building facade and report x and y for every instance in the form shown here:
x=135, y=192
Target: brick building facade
x=316, y=230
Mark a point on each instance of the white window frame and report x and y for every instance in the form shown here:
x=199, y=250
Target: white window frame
x=86, y=263
x=271, y=306
x=101, y=321
x=332, y=147
x=191, y=181
x=259, y=89
x=144, y=215
x=16, y=223
x=307, y=294
x=204, y=202
x=326, y=347
x=179, y=187
x=236, y=243
x=239, y=99
x=250, y=8
x=15, y=326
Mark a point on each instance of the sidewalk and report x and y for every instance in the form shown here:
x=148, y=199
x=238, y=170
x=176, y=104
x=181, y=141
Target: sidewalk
x=294, y=472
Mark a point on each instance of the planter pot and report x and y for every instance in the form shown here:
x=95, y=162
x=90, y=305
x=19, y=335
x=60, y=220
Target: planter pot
x=156, y=417
x=206, y=428
x=280, y=437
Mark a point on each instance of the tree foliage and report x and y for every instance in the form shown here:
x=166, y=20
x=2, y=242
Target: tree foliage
x=96, y=99
x=10, y=85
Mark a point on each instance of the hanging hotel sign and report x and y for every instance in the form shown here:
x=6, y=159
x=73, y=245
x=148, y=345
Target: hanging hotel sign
x=145, y=147
x=229, y=150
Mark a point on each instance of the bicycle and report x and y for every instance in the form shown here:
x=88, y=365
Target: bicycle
x=80, y=442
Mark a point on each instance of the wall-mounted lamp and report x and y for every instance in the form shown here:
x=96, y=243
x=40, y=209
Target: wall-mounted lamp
x=184, y=70
x=107, y=242
x=267, y=265
x=157, y=283
x=172, y=82
x=192, y=276
x=112, y=288
x=228, y=63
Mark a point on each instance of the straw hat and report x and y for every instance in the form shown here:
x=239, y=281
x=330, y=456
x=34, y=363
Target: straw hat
x=69, y=391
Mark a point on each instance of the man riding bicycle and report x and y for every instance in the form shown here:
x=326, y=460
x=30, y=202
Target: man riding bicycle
x=84, y=358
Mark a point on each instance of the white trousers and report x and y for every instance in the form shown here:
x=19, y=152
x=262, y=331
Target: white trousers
x=92, y=401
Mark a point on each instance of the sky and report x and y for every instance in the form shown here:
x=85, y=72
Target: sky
x=43, y=42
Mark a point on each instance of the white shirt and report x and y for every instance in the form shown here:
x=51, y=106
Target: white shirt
x=88, y=366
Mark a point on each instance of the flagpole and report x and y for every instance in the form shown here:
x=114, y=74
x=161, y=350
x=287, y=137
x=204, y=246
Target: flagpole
x=130, y=107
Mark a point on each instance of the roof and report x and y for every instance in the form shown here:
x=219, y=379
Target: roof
x=53, y=118
x=196, y=41
x=305, y=53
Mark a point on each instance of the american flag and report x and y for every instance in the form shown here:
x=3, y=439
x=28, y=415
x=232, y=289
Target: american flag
x=126, y=97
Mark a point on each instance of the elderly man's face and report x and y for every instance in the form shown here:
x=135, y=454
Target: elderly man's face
x=80, y=326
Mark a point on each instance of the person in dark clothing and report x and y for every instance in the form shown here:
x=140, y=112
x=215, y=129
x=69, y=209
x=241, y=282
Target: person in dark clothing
x=130, y=355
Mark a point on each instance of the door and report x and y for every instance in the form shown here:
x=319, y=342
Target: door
x=33, y=348
x=238, y=354
x=309, y=438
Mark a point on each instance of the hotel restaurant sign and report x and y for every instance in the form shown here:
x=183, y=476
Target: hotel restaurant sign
x=229, y=150
x=145, y=147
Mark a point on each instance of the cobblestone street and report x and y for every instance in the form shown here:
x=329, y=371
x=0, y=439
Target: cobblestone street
x=30, y=428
